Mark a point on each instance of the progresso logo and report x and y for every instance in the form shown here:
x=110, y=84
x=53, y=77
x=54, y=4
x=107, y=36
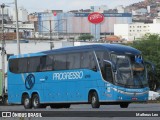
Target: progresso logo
x=68, y=75
x=30, y=81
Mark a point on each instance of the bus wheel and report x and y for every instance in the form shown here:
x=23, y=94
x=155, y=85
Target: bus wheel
x=27, y=102
x=124, y=105
x=95, y=100
x=35, y=101
x=5, y=100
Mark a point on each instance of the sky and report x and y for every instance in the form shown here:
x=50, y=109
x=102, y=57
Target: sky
x=66, y=5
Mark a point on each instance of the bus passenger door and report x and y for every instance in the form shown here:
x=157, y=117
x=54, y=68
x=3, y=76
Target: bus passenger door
x=108, y=77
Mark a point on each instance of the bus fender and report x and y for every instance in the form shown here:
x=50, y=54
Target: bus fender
x=38, y=93
x=26, y=92
x=91, y=91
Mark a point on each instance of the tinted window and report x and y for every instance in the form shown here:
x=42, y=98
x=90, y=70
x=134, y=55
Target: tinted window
x=50, y=62
x=33, y=64
x=60, y=62
x=88, y=60
x=46, y=63
x=73, y=61
x=105, y=67
x=13, y=65
x=22, y=65
x=100, y=58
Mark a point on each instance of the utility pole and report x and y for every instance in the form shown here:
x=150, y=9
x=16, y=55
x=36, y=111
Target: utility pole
x=17, y=27
x=50, y=32
x=3, y=50
x=95, y=33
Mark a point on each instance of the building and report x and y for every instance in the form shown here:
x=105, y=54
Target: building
x=22, y=15
x=33, y=17
x=141, y=11
x=156, y=20
x=74, y=24
x=134, y=31
x=120, y=9
x=5, y=11
x=6, y=18
x=100, y=9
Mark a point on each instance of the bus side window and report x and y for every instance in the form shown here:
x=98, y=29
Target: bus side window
x=60, y=62
x=100, y=58
x=88, y=61
x=33, y=64
x=13, y=65
x=92, y=60
x=106, y=69
x=42, y=63
x=84, y=60
x=49, y=63
x=46, y=63
x=22, y=65
x=73, y=61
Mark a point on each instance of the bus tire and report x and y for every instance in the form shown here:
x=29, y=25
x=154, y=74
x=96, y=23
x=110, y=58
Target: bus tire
x=35, y=101
x=124, y=105
x=95, y=100
x=27, y=102
x=5, y=100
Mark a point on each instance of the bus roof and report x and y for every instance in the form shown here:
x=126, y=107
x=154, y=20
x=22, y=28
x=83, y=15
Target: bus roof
x=114, y=48
x=117, y=48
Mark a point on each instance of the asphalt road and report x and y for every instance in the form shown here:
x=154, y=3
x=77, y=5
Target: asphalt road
x=105, y=112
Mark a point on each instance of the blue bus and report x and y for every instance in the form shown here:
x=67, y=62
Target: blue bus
x=99, y=74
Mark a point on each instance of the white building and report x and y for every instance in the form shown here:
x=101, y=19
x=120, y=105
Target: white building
x=134, y=31
x=157, y=20
x=148, y=9
x=27, y=29
x=22, y=15
x=100, y=9
x=5, y=11
x=120, y=9
x=141, y=11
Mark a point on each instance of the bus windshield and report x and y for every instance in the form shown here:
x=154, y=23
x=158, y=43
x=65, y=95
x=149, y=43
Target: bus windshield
x=130, y=71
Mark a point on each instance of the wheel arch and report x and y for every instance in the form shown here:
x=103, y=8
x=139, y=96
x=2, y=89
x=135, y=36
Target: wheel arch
x=90, y=93
x=24, y=94
x=30, y=95
x=36, y=92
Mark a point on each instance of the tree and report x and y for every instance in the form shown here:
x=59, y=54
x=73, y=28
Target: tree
x=85, y=37
x=150, y=47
